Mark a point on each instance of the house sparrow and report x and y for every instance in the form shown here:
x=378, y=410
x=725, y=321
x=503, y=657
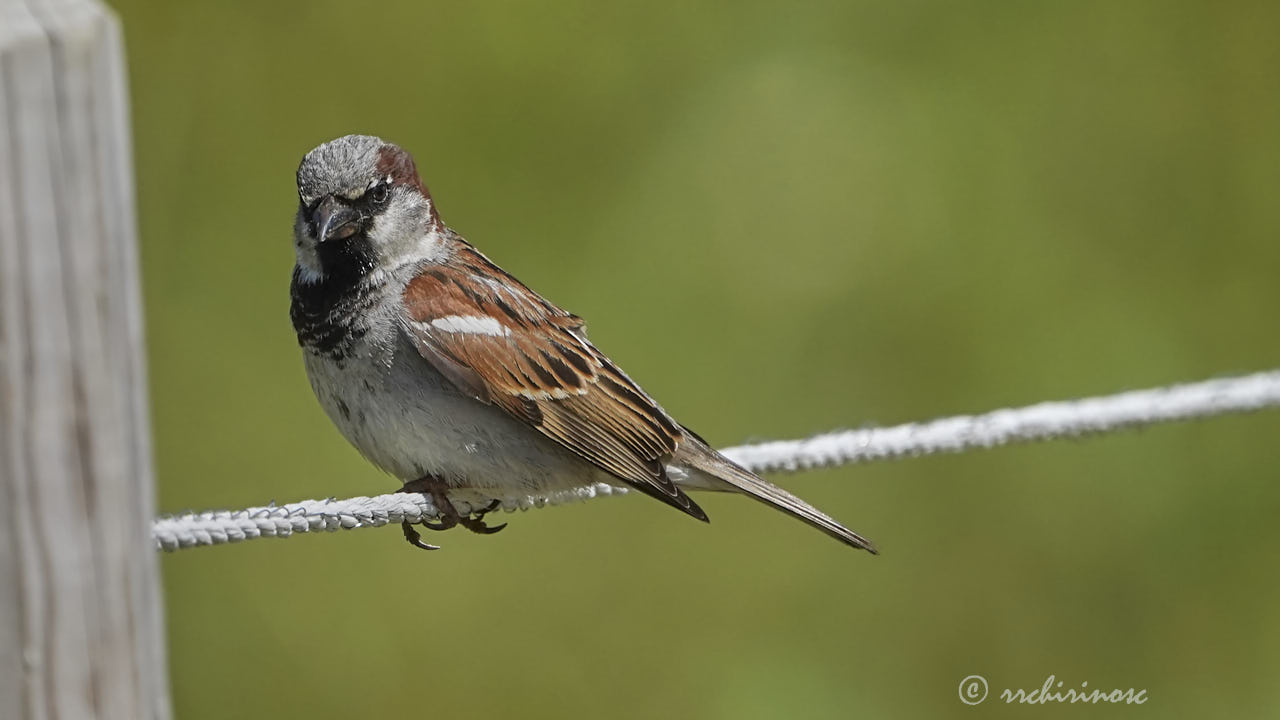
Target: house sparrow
x=459, y=380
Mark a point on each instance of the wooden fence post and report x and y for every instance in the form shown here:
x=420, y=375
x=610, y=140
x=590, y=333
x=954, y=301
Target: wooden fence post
x=81, y=625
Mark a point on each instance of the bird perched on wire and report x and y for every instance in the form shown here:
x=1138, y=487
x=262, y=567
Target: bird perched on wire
x=453, y=376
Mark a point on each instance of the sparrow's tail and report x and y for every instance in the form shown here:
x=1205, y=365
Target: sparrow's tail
x=700, y=456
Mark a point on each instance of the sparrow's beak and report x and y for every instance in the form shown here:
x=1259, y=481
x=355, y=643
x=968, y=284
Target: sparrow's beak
x=334, y=221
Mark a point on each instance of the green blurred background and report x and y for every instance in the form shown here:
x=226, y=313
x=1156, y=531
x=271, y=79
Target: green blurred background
x=781, y=218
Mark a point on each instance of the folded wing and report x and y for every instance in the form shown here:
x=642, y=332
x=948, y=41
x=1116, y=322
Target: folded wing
x=502, y=343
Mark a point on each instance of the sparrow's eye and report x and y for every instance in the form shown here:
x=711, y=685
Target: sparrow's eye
x=378, y=193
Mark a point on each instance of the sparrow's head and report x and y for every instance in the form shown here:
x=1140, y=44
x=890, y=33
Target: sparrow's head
x=361, y=206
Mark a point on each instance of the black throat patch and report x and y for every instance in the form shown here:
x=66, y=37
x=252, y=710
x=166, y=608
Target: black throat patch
x=327, y=313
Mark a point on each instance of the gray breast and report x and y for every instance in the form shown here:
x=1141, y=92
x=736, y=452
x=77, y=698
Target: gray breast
x=409, y=420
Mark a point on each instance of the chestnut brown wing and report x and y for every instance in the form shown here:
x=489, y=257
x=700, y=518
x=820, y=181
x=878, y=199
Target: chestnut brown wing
x=504, y=344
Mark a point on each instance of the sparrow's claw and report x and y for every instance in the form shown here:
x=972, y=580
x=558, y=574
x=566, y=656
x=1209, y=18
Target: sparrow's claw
x=493, y=505
x=415, y=538
x=444, y=524
x=449, y=517
x=476, y=525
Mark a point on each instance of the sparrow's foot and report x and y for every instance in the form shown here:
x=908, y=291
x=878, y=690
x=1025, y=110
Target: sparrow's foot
x=449, y=515
x=476, y=524
x=415, y=538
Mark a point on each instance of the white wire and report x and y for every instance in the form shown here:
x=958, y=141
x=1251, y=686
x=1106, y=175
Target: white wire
x=1044, y=421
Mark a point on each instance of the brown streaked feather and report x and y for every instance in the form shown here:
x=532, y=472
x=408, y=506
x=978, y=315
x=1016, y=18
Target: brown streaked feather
x=533, y=360
x=398, y=165
x=698, y=454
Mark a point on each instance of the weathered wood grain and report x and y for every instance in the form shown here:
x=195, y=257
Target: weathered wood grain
x=81, y=627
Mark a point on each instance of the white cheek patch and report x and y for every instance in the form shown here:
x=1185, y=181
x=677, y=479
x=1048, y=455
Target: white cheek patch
x=308, y=262
x=402, y=232
x=471, y=324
